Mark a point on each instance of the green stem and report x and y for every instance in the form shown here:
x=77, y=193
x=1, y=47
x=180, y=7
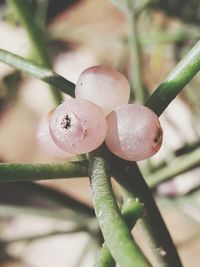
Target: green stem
x=14, y=172
x=105, y=259
x=37, y=71
x=135, y=55
x=10, y=172
x=24, y=13
x=178, y=166
x=153, y=224
x=116, y=234
x=160, y=242
x=41, y=13
x=177, y=79
x=132, y=210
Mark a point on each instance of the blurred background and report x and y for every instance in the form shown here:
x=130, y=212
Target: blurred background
x=80, y=34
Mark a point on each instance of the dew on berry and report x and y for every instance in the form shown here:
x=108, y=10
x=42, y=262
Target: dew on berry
x=104, y=86
x=46, y=142
x=78, y=126
x=133, y=132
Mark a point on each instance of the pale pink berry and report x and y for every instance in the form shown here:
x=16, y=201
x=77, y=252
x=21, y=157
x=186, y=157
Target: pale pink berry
x=78, y=126
x=104, y=86
x=46, y=142
x=133, y=132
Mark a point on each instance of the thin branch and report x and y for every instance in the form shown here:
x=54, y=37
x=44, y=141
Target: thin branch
x=176, y=80
x=15, y=172
x=135, y=71
x=25, y=15
x=178, y=166
x=37, y=71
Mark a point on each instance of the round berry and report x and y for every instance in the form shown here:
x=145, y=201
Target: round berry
x=46, y=142
x=104, y=86
x=78, y=126
x=133, y=132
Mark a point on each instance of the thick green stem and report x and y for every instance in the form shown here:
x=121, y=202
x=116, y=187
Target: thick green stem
x=24, y=13
x=13, y=172
x=37, y=71
x=116, y=234
x=177, y=79
x=132, y=210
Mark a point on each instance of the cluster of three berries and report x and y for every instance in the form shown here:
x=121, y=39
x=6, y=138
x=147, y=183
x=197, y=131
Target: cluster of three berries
x=100, y=112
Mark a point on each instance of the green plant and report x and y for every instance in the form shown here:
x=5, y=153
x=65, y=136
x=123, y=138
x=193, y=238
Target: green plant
x=101, y=164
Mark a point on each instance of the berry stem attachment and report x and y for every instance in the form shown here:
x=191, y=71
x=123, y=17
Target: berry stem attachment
x=115, y=231
x=24, y=13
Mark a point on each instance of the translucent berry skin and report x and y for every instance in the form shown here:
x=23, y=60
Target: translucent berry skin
x=78, y=126
x=46, y=142
x=133, y=132
x=104, y=86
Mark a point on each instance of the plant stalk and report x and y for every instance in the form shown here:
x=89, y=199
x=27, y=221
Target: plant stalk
x=14, y=172
x=160, y=242
x=131, y=211
x=176, y=80
x=22, y=8
x=135, y=69
x=115, y=231
x=37, y=71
